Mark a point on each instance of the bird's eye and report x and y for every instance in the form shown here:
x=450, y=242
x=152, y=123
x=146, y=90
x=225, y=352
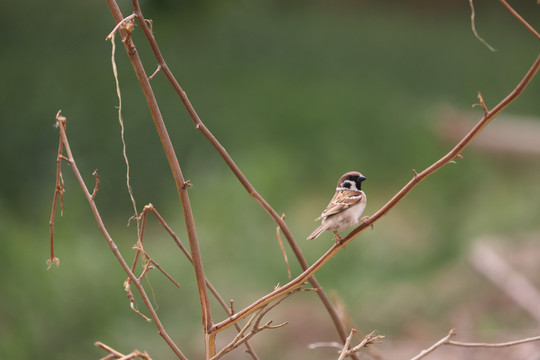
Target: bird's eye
x=351, y=177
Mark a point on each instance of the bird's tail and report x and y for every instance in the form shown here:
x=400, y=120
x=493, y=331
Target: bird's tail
x=318, y=231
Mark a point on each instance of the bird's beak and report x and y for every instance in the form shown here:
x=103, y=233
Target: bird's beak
x=362, y=178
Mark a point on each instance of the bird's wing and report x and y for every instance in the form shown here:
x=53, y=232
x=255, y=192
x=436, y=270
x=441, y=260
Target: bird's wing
x=342, y=200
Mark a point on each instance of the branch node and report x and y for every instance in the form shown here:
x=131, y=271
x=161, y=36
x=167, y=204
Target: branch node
x=155, y=72
x=126, y=24
x=186, y=184
x=482, y=104
x=95, y=173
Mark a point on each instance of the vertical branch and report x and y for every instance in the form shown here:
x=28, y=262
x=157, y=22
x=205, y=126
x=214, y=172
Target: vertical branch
x=58, y=192
x=181, y=184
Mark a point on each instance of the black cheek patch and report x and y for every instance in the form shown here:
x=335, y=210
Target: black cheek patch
x=347, y=185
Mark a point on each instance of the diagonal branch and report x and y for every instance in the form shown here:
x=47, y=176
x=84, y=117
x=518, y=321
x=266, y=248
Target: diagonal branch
x=521, y=19
x=228, y=308
x=63, y=138
x=418, y=177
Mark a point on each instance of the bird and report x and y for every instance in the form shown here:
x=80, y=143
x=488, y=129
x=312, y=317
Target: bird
x=345, y=208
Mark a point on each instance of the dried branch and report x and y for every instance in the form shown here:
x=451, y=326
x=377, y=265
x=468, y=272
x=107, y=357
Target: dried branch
x=278, y=235
x=227, y=307
x=368, y=340
x=128, y=30
x=61, y=121
x=113, y=354
x=162, y=65
x=254, y=323
x=58, y=192
x=435, y=346
x=473, y=27
x=446, y=341
x=96, y=187
x=521, y=19
x=176, y=172
x=453, y=154
x=494, y=345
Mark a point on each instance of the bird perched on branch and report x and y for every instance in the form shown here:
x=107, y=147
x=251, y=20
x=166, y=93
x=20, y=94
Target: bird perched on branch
x=345, y=208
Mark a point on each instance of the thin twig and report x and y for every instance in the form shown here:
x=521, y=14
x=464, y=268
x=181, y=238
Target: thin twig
x=366, y=341
x=58, y=192
x=435, y=346
x=96, y=187
x=473, y=27
x=122, y=129
x=254, y=324
x=446, y=341
x=346, y=345
x=117, y=27
x=521, y=19
x=494, y=345
x=114, y=354
x=278, y=235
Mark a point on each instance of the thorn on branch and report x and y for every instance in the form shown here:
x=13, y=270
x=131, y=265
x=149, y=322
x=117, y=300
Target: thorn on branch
x=231, y=307
x=482, y=104
x=186, y=184
x=150, y=23
x=415, y=173
x=155, y=72
x=97, y=184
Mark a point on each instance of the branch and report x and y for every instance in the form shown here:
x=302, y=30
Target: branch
x=368, y=340
x=521, y=20
x=61, y=121
x=256, y=319
x=446, y=341
x=418, y=177
x=176, y=172
x=227, y=307
x=435, y=346
x=113, y=354
x=58, y=192
x=162, y=65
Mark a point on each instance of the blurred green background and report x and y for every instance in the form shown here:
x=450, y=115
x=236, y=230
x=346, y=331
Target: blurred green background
x=298, y=92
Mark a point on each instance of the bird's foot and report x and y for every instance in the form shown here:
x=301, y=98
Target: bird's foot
x=337, y=238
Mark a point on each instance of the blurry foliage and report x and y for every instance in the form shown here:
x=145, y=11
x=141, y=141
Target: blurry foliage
x=298, y=93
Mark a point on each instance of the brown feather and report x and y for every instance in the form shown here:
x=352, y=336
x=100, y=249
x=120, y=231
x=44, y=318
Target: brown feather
x=342, y=200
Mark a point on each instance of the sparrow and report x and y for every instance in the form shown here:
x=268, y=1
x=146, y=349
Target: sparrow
x=345, y=208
